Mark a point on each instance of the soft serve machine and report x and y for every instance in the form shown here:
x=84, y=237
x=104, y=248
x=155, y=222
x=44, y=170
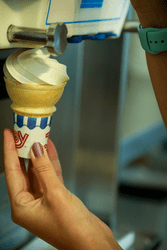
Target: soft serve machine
x=60, y=26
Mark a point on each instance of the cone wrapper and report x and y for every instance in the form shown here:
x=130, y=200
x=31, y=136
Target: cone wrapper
x=28, y=130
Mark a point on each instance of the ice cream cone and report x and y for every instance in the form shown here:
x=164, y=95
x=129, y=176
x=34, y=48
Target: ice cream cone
x=33, y=106
x=34, y=100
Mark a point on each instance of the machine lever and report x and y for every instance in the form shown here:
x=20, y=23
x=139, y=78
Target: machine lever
x=54, y=38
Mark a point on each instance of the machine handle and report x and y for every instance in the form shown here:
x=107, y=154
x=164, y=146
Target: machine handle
x=54, y=38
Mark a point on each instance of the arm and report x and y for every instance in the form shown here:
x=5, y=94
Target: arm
x=153, y=13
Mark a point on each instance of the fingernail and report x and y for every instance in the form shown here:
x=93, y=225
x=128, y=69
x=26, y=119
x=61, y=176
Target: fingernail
x=37, y=149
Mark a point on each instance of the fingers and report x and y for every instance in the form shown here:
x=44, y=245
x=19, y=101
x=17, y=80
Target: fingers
x=53, y=156
x=45, y=171
x=15, y=179
x=35, y=184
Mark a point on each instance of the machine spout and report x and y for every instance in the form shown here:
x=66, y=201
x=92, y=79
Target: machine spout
x=54, y=38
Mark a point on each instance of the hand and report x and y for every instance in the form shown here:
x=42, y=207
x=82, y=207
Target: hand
x=41, y=204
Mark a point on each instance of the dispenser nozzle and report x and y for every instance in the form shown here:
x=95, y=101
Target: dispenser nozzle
x=54, y=38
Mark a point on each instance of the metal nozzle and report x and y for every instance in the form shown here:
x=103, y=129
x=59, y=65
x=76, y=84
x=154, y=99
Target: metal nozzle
x=54, y=38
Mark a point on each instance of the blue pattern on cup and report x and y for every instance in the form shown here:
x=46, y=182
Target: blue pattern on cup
x=43, y=122
x=32, y=121
x=20, y=121
x=31, y=124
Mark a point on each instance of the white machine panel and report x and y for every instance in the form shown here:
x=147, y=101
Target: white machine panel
x=89, y=16
x=82, y=17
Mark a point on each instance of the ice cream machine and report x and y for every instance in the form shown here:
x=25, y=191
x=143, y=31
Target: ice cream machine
x=51, y=23
x=39, y=23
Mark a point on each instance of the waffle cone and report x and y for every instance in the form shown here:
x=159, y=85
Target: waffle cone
x=33, y=100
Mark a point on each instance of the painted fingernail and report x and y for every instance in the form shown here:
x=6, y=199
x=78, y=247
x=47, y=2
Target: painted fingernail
x=37, y=149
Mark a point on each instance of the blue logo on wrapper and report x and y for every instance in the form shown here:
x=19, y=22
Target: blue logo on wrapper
x=28, y=130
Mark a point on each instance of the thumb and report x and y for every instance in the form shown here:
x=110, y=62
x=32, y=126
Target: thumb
x=43, y=168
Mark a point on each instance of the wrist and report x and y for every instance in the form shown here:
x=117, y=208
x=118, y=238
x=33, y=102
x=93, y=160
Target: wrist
x=99, y=240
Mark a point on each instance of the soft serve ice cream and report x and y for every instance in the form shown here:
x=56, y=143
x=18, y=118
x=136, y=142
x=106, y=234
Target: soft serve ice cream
x=33, y=66
x=35, y=83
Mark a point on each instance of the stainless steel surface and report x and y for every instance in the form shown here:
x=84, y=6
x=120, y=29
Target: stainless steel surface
x=137, y=240
x=131, y=26
x=143, y=191
x=142, y=215
x=96, y=167
x=54, y=38
x=144, y=177
x=149, y=170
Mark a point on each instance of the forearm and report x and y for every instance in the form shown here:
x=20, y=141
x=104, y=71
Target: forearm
x=154, y=14
x=157, y=66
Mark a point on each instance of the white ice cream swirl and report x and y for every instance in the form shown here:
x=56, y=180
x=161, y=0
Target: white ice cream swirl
x=33, y=66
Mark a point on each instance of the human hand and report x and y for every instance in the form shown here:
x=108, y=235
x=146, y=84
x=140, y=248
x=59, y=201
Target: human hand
x=41, y=204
